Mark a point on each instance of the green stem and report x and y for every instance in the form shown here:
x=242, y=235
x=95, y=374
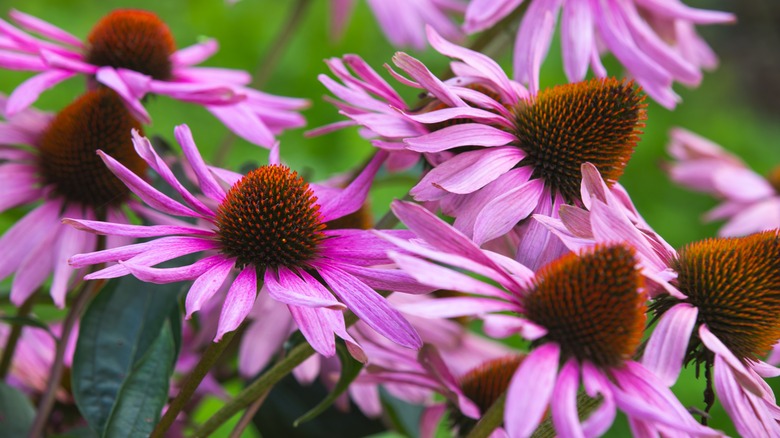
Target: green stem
x=191, y=383
x=256, y=389
x=491, y=420
x=247, y=417
x=267, y=65
x=88, y=290
x=13, y=337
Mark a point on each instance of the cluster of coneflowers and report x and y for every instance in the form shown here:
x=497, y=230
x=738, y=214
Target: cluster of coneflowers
x=517, y=221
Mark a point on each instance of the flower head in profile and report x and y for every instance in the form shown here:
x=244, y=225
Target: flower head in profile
x=268, y=227
x=751, y=202
x=584, y=314
x=134, y=53
x=726, y=321
x=655, y=40
x=403, y=22
x=49, y=162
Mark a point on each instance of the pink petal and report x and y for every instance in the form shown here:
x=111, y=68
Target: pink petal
x=206, y=180
x=264, y=337
x=170, y=275
x=29, y=91
x=354, y=195
x=287, y=287
x=387, y=279
x=44, y=28
x=466, y=172
x=25, y=234
x=502, y=326
x=564, y=410
x=530, y=390
x=576, y=38
x=668, y=343
x=502, y=213
x=98, y=227
x=533, y=41
x=109, y=77
x=205, y=286
x=69, y=242
x=456, y=307
x=369, y=306
x=482, y=14
x=35, y=267
x=196, y=53
x=240, y=119
x=145, y=191
x=742, y=374
x=430, y=419
x=426, y=79
x=467, y=134
x=238, y=303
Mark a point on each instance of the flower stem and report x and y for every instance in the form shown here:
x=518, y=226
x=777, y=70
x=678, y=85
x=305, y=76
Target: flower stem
x=247, y=417
x=191, y=383
x=88, y=290
x=266, y=66
x=263, y=384
x=256, y=389
x=13, y=337
x=492, y=419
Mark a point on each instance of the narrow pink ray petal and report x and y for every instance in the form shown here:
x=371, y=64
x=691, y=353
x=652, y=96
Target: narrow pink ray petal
x=153, y=197
x=171, y=275
x=133, y=230
x=44, y=28
x=206, y=286
x=742, y=374
x=564, y=409
x=502, y=213
x=467, y=134
x=29, y=91
x=287, y=287
x=239, y=301
x=667, y=345
x=369, y=306
x=206, y=180
x=530, y=390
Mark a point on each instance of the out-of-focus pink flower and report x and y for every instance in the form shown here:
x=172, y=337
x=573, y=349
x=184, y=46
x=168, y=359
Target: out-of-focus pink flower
x=52, y=159
x=269, y=226
x=655, y=40
x=583, y=312
x=134, y=53
x=751, y=203
x=33, y=357
x=403, y=21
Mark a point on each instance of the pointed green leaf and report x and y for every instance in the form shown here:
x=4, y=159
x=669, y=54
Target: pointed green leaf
x=16, y=412
x=145, y=391
x=350, y=368
x=27, y=321
x=117, y=330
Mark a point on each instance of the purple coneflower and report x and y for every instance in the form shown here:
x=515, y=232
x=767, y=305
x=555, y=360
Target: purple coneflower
x=269, y=226
x=134, y=53
x=655, y=40
x=52, y=159
x=498, y=153
x=751, y=203
x=716, y=302
x=585, y=314
x=727, y=321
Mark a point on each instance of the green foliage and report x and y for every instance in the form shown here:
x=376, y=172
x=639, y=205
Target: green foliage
x=128, y=343
x=16, y=412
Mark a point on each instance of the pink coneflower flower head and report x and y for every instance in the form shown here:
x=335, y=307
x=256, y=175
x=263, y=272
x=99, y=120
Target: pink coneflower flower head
x=53, y=159
x=751, y=203
x=510, y=154
x=727, y=322
x=584, y=313
x=134, y=53
x=655, y=40
x=403, y=22
x=269, y=226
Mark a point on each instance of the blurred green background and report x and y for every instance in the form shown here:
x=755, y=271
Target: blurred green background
x=736, y=106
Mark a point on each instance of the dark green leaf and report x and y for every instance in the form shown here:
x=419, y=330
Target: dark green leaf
x=145, y=391
x=350, y=368
x=117, y=330
x=16, y=412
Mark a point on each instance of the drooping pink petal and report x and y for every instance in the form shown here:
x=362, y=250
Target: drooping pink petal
x=741, y=373
x=576, y=39
x=667, y=345
x=369, y=306
x=456, y=307
x=564, y=410
x=427, y=80
x=28, y=92
x=387, y=279
x=99, y=227
x=533, y=41
x=530, y=390
x=482, y=14
x=601, y=419
x=205, y=286
x=354, y=195
x=171, y=275
x=206, y=180
x=109, y=77
x=503, y=212
x=196, y=53
x=35, y=266
x=264, y=336
x=26, y=234
x=70, y=241
x=238, y=303
x=287, y=287
x=502, y=326
x=241, y=120
x=430, y=418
